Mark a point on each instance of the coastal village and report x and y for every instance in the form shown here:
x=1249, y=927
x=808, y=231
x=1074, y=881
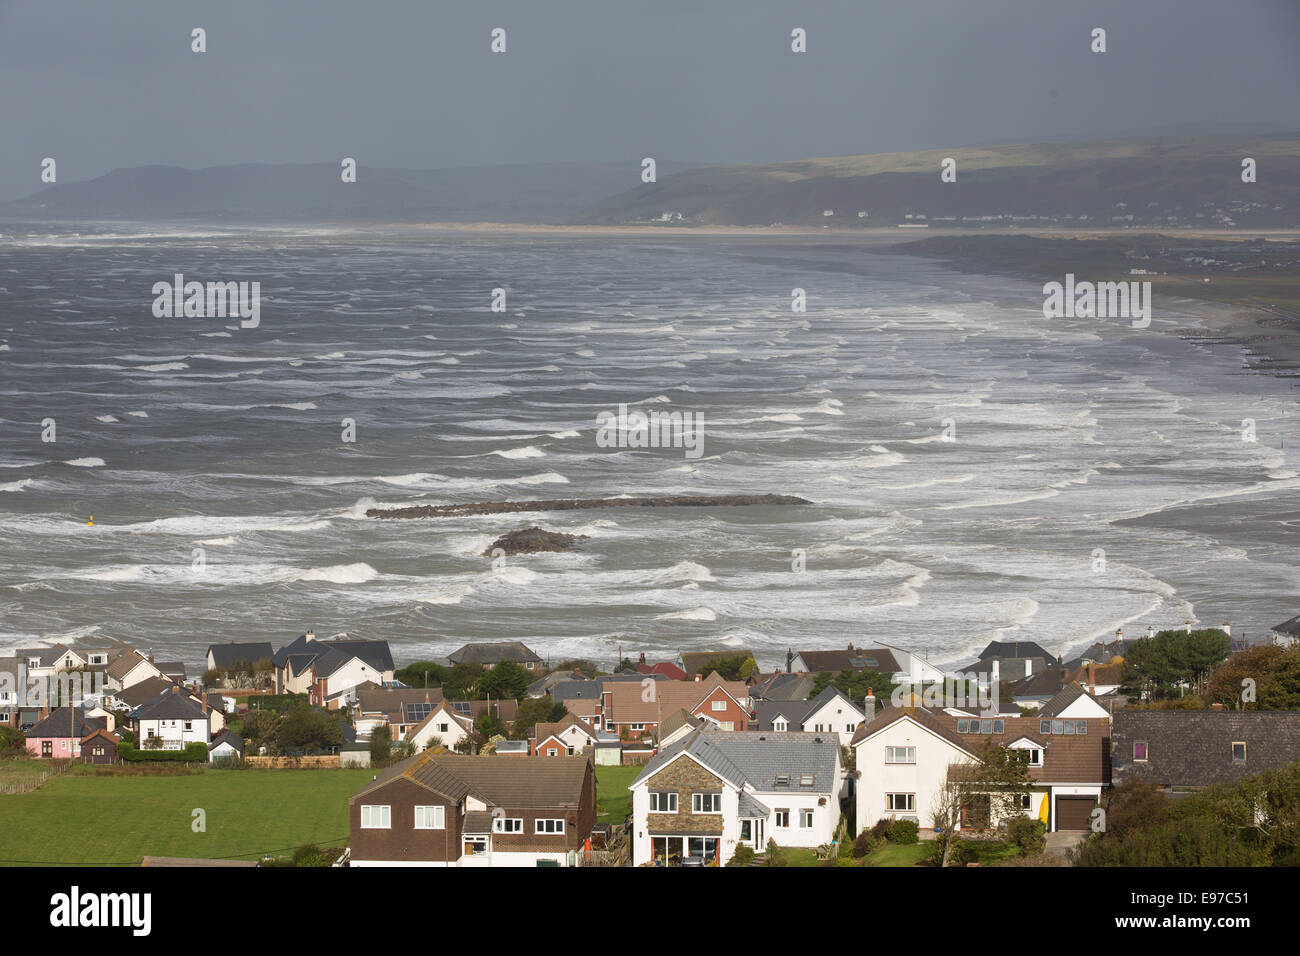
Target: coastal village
x=858, y=755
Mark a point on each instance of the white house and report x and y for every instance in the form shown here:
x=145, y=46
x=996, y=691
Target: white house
x=444, y=726
x=830, y=712
x=569, y=736
x=903, y=756
x=171, y=720
x=707, y=794
x=1073, y=702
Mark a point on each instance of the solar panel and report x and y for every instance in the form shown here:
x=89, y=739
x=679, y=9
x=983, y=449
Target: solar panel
x=418, y=711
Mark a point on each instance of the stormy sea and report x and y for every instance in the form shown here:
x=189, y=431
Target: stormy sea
x=975, y=471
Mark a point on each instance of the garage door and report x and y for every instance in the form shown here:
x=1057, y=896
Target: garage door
x=1074, y=813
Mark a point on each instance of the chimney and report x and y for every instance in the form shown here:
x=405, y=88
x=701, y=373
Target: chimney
x=1029, y=666
x=1151, y=630
x=997, y=670
x=151, y=657
x=1119, y=634
x=1189, y=625
x=850, y=647
x=1092, y=678
x=698, y=678
x=1216, y=706
x=1227, y=628
x=789, y=659
x=310, y=635
x=642, y=657
x=176, y=688
x=870, y=705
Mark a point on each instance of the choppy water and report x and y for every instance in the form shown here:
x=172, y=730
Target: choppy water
x=179, y=434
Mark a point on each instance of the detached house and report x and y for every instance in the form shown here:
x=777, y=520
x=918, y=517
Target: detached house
x=457, y=810
x=636, y=708
x=714, y=790
x=171, y=720
x=442, y=727
x=903, y=756
x=572, y=735
x=330, y=672
x=830, y=712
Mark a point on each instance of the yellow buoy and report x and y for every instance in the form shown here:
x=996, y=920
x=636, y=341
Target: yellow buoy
x=91, y=521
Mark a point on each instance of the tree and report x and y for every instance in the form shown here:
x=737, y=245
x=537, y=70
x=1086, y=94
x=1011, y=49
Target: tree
x=489, y=725
x=308, y=728
x=507, y=680
x=423, y=674
x=995, y=785
x=731, y=667
x=1274, y=673
x=1162, y=665
x=854, y=684
x=381, y=746
x=533, y=711
x=459, y=683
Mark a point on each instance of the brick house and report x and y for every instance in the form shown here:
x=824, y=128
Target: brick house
x=634, y=709
x=458, y=810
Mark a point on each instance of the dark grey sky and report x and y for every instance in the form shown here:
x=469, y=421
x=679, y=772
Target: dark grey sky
x=100, y=85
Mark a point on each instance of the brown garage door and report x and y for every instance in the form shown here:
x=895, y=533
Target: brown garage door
x=1074, y=813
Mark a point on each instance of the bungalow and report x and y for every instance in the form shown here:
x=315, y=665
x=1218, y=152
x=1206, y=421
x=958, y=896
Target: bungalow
x=225, y=656
x=697, y=663
x=1184, y=749
x=489, y=655
x=677, y=726
x=442, y=727
x=830, y=712
x=570, y=736
x=458, y=810
x=59, y=735
x=904, y=755
x=714, y=791
x=900, y=665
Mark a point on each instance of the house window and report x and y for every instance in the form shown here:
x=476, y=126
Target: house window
x=719, y=705
x=783, y=819
x=900, y=755
x=664, y=801
x=1140, y=751
x=1035, y=757
x=430, y=818
x=442, y=728
x=552, y=752
x=508, y=825
x=636, y=728
x=780, y=725
x=783, y=780
x=475, y=845
x=900, y=802
x=1238, y=751
x=709, y=802
x=550, y=826
x=375, y=817
x=805, y=819
x=806, y=780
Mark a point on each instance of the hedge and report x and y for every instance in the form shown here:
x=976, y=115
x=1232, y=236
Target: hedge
x=193, y=753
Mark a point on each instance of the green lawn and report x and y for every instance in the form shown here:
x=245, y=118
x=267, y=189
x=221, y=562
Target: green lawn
x=900, y=854
x=117, y=819
x=612, y=795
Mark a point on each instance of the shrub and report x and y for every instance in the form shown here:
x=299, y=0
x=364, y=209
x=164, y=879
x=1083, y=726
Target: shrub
x=193, y=753
x=743, y=856
x=773, y=855
x=902, y=831
x=1028, y=834
x=878, y=831
x=864, y=844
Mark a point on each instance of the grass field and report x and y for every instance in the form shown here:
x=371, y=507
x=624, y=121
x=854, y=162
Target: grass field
x=612, y=795
x=117, y=819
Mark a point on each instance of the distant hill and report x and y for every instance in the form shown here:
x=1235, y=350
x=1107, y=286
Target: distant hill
x=1168, y=181
x=533, y=193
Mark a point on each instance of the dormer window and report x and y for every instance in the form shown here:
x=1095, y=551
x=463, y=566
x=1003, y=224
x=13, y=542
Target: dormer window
x=783, y=780
x=780, y=725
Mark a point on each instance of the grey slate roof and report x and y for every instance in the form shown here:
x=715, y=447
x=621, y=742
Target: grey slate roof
x=1064, y=699
x=61, y=723
x=784, y=687
x=494, y=653
x=225, y=655
x=1193, y=748
x=1291, y=627
x=174, y=703
x=797, y=712
x=754, y=758
x=577, y=690
x=227, y=737
x=750, y=807
x=1009, y=649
